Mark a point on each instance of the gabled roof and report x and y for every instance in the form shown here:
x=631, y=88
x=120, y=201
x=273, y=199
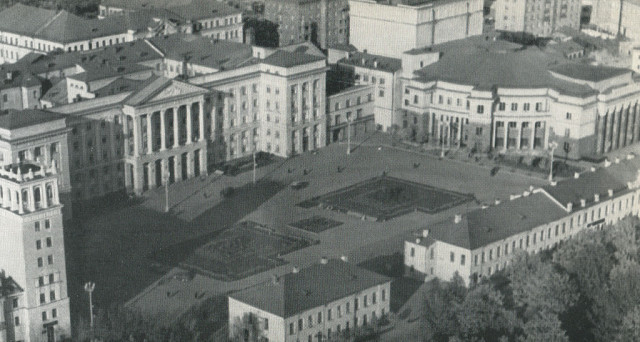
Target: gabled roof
x=14, y=119
x=96, y=71
x=585, y=187
x=304, y=47
x=286, y=59
x=312, y=287
x=19, y=78
x=187, y=9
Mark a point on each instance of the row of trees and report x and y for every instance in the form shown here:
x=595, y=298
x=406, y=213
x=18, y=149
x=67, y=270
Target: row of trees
x=586, y=289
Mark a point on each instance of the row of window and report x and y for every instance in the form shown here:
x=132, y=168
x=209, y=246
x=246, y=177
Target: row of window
x=41, y=261
x=525, y=107
x=48, y=243
x=348, y=103
x=218, y=22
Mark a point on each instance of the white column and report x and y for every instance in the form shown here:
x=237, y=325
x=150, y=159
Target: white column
x=459, y=132
x=163, y=130
x=201, y=119
x=47, y=154
x=533, y=135
x=5, y=197
x=136, y=136
x=189, y=125
x=44, y=199
x=176, y=132
x=125, y=128
x=20, y=199
x=149, y=134
x=32, y=199
x=506, y=135
x=519, y=135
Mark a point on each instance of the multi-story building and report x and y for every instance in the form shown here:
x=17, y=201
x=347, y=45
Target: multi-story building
x=208, y=18
x=352, y=109
x=11, y=299
x=32, y=236
x=25, y=29
x=384, y=74
x=393, y=27
x=483, y=241
x=537, y=17
x=20, y=89
x=323, y=22
x=617, y=17
x=495, y=95
x=318, y=303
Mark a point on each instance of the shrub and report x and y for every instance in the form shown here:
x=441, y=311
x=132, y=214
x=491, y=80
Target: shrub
x=495, y=170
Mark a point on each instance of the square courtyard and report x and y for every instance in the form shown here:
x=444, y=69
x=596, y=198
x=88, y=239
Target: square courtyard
x=383, y=198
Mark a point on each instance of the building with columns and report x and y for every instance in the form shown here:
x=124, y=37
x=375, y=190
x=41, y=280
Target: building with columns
x=497, y=96
x=537, y=18
x=483, y=241
x=389, y=28
x=31, y=231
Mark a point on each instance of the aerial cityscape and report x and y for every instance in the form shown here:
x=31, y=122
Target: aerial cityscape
x=319, y=170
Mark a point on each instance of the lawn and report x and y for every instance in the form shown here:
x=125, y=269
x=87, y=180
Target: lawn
x=241, y=251
x=316, y=224
x=386, y=197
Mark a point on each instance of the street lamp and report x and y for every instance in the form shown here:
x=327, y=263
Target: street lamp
x=552, y=147
x=89, y=287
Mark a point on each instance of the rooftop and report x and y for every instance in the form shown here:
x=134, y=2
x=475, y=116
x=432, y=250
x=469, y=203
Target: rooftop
x=62, y=27
x=10, y=78
x=369, y=61
x=588, y=72
x=14, y=119
x=286, y=59
x=8, y=285
x=311, y=287
x=97, y=71
x=488, y=64
x=585, y=187
x=187, y=9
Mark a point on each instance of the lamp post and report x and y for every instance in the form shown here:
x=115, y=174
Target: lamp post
x=552, y=147
x=441, y=128
x=348, y=135
x=89, y=287
x=254, y=164
x=165, y=177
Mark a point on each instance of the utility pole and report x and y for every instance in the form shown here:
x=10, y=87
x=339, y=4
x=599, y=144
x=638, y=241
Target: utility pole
x=89, y=287
x=552, y=147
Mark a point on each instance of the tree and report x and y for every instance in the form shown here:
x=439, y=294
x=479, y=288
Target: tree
x=483, y=315
x=246, y=328
x=544, y=326
x=440, y=317
x=630, y=328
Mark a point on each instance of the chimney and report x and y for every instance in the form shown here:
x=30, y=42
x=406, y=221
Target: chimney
x=295, y=269
x=610, y=192
x=375, y=63
x=596, y=197
x=583, y=202
x=593, y=169
x=512, y=197
x=554, y=183
x=531, y=188
x=526, y=193
x=457, y=218
x=630, y=156
x=576, y=175
x=425, y=233
x=324, y=260
x=607, y=163
x=9, y=75
x=497, y=201
x=344, y=258
x=484, y=206
x=417, y=241
x=569, y=207
x=617, y=160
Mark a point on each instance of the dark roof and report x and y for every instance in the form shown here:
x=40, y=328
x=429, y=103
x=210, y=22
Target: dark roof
x=588, y=72
x=488, y=64
x=119, y=85
x=57, y=94
x=8, y=286
x=585, y=187
x=288, y=59
x=13, y=118
x=96, y=71
x=19, y=78
x=304, y=47
x=314, y=286
x=366, y=60
x=218, y=54
x=483, y=226
x=62, y=27
x=187, y=9
x=343, y=47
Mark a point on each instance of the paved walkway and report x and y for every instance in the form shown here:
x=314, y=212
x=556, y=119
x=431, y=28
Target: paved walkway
x=357, y=239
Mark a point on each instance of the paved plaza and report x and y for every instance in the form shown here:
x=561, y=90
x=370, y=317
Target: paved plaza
x=116, y=246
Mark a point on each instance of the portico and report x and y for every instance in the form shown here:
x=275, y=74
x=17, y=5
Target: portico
x=164, y=135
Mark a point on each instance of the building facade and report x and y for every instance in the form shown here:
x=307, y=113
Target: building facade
x=11, y=297
x=616, y=17
x=391, y=28
x=453, y=96
x=33, y=253
x=303, y=305
x=324, y=22
x=533, y=221
x=538, y=18
x=351, y=109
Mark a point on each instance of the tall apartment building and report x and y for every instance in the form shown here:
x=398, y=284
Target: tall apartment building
x=537, y=219
x=537, y=17
x=323, y=302
x=31, y=231
x=617, y=17
x=393, y=27
x=324, y=22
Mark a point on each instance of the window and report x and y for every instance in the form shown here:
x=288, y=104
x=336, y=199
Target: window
x=452, y=257
x=51, y=278
x=48, y=242
x=480, y=109
x=310, y=321
x=16, y=321
x=373, y=298
x=413, y=251
x=291, y=330
x=568, y=116
x=462, y=259
x=381, y=93
x=300, y=324
x=319, y=317
x=40, y=262
x=526, y=107
x=328, y=314
x=514, y=106
x=50, y=259
x=52, y=295
x=54, y=313
x=37, y=226
x=47, y=224
x=478, y=130
x=42, y=298
x=38, y=244
x=538, y=106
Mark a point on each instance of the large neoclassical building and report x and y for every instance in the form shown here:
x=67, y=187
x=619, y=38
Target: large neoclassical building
x=498, y=96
